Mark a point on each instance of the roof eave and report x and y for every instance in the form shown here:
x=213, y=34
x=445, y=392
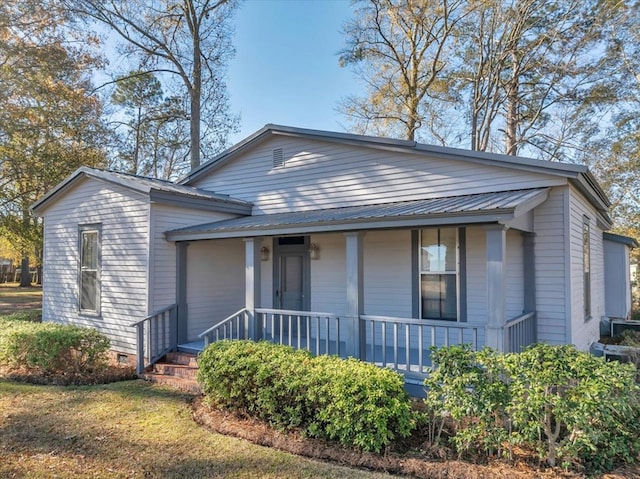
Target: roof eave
x=201, y=203
x=626, y=240
x=567, y=170
x=83, y=172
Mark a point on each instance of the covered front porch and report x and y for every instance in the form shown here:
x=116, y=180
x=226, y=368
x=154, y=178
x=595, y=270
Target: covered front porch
x=384, y=290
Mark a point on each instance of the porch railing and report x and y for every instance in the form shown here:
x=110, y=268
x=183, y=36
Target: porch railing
x=397, y=343
x=232, y=327
x=319, y=333
x=403, y=344
x=520, y=332
x=156, y=335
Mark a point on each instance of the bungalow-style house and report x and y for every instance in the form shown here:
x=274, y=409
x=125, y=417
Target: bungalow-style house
x=369, y=247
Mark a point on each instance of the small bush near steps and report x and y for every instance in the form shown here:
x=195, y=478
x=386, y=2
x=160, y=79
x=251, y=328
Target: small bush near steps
x=55, y=353
x=348, y=401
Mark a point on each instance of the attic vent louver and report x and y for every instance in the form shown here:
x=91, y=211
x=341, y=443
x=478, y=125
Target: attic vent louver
x=278, y=158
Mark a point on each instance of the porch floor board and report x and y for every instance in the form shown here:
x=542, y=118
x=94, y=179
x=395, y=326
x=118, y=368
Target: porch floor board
x=192, y=347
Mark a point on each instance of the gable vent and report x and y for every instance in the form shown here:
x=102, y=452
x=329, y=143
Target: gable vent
x=278, y=158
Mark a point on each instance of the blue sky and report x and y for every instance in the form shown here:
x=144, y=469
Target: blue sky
x=286, y=66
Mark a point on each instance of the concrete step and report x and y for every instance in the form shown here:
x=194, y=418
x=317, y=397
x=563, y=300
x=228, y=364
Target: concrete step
x=182, y=384
x=177, y=370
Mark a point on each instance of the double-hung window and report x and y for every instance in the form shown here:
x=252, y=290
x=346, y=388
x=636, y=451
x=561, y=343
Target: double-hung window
x=586, y=266
x=439, y=273
x=89, y=272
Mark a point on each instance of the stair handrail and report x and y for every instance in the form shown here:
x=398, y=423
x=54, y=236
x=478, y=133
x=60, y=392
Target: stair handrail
x=146, y=346
x=228, y=319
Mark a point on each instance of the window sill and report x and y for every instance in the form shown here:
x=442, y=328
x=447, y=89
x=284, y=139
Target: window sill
x=90, y=314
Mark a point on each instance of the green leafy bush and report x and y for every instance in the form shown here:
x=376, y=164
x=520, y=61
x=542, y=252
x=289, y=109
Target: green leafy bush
x=467, y=392
x=49, y=348
x=354, y=403
x=572, y=408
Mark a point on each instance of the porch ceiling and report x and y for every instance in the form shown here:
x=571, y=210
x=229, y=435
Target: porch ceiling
x=493, y=207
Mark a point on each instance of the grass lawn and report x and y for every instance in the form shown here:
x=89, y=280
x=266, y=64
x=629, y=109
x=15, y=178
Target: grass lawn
x=13, y=298
x=129, y=429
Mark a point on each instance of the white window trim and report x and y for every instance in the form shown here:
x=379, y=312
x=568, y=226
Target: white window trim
x=586, y=269
x=421, y=272
x=82, y=230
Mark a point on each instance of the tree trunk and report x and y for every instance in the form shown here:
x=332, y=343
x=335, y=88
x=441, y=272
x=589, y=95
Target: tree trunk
x=511, y=141
x=25, y=274
x=196, y=92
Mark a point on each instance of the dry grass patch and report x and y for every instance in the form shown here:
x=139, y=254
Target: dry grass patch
x=13, y=298
x=129, y=429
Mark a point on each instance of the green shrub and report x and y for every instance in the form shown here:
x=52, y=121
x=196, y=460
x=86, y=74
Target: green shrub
x=348, y=401
x=357, y=403
x=466, y=391
x=49, y=348
x=573, y=408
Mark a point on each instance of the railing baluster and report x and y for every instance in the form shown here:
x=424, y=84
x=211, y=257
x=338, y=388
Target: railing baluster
x=338, y=337
x=395, y=345
x=384, y=343
x=373, y=341
x=326, y=346
x=420, y=358
x=407, y=346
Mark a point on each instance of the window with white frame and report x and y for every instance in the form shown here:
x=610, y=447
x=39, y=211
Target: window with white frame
x=89, y=271
x=586, y=266
x=438, y=258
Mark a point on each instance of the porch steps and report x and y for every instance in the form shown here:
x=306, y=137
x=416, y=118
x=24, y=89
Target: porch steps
x=177, y=370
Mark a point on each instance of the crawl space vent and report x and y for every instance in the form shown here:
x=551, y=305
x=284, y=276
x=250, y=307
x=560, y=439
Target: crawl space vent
x=278, y=158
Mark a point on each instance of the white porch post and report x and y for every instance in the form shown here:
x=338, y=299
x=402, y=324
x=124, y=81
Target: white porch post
x=496, y=286
x=252, y=287
x=355, y=295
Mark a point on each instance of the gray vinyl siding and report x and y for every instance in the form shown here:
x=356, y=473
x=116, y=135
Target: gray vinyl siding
x=320, y=175
x=477, y=306
x=328, y=274
x=387, y=273
x=162, y=271
x=123, y=216
x=215, y=282
x=551, y=277
x=583, y=333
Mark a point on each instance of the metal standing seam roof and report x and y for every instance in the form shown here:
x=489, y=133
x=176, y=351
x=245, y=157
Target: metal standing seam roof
x=162, y=185
x=482, y=203
x=144, y=185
